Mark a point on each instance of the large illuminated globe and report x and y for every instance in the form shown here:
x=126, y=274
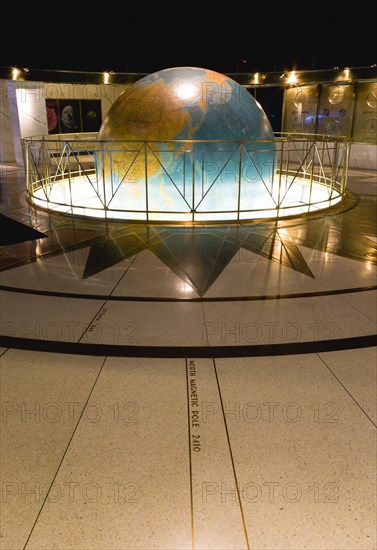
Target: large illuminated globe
x=225, y=163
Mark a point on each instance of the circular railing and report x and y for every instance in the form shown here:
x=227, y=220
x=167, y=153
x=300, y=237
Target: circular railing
x=186, y=180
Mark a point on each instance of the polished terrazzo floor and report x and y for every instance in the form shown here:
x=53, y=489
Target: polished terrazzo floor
x=172, y=387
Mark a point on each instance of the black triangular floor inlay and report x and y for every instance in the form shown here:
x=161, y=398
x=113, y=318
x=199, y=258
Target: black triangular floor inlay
x=12, y=232
x=108, y=251
x=197, y=256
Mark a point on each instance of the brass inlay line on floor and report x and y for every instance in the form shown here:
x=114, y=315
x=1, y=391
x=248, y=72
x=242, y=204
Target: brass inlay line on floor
x=344, y=387
x=190, y=461
x=231, y=457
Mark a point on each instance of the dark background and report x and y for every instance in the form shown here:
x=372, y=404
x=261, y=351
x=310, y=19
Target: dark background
x=226, y=36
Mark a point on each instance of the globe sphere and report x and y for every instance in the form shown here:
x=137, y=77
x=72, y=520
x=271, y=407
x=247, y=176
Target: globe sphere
x=187, y=139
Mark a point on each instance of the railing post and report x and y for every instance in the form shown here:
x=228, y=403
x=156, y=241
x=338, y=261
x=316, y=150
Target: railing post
x=280, y=172
x=193, y=182
x=345, y=167
x=239, y=180
x=146, y=180
x=25, y=148
x=334, y=163
x=104, y=175
x=313, y=146
x=184, y=173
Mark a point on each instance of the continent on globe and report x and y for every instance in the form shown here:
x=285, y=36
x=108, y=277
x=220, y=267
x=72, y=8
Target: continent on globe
x=186, y=139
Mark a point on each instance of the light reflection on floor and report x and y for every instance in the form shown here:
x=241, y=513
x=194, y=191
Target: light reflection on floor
x=209, y=387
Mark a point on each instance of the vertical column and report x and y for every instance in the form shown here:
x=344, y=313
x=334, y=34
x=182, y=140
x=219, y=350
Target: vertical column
x=10, y=134
x=31, y=108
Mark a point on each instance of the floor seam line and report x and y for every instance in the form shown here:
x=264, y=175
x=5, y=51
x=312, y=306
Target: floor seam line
x=205, y=324
x=344, y=387
x=231, y=457
x=357, y=309
x=123, y=274
x=64, y=455
x=91, y=322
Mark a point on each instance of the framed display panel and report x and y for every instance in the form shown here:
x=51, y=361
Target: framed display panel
x=365, y=117
x=69, y=116
x=335, y=109
x=52, y=111
x=66, y=116
x=300, y=109
x=91, y=115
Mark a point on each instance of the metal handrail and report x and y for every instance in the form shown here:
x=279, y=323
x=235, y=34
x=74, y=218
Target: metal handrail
x=80, y=159
x=279, y=136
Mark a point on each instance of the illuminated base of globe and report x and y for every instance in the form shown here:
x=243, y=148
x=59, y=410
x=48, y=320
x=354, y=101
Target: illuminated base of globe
x=76, y=197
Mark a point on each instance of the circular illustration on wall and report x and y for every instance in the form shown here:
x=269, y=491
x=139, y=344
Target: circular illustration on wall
x=300, y=97
x=69, y=116
x=91, y=115
x=333, y=128
x=372, y=98
x=52, y=116
x=336, y=94
x=370, y=125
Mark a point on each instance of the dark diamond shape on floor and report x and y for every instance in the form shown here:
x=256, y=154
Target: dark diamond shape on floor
x=109, y=250
x=196, y=255
x=12, y=232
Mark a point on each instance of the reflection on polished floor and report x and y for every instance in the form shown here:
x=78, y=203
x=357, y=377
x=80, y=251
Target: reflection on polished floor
x=188, y=387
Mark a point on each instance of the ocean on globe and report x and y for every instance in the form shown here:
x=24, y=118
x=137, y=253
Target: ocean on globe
x=184, y=140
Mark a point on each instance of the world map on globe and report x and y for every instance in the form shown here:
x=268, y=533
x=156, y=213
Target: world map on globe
x=185, y=139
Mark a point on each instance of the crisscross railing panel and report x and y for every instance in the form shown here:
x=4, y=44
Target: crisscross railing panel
x=195, y=180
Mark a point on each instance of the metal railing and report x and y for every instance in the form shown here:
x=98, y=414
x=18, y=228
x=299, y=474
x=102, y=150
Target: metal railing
x=186, y=180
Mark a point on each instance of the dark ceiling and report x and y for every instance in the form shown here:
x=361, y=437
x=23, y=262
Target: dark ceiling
x=226, y=36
